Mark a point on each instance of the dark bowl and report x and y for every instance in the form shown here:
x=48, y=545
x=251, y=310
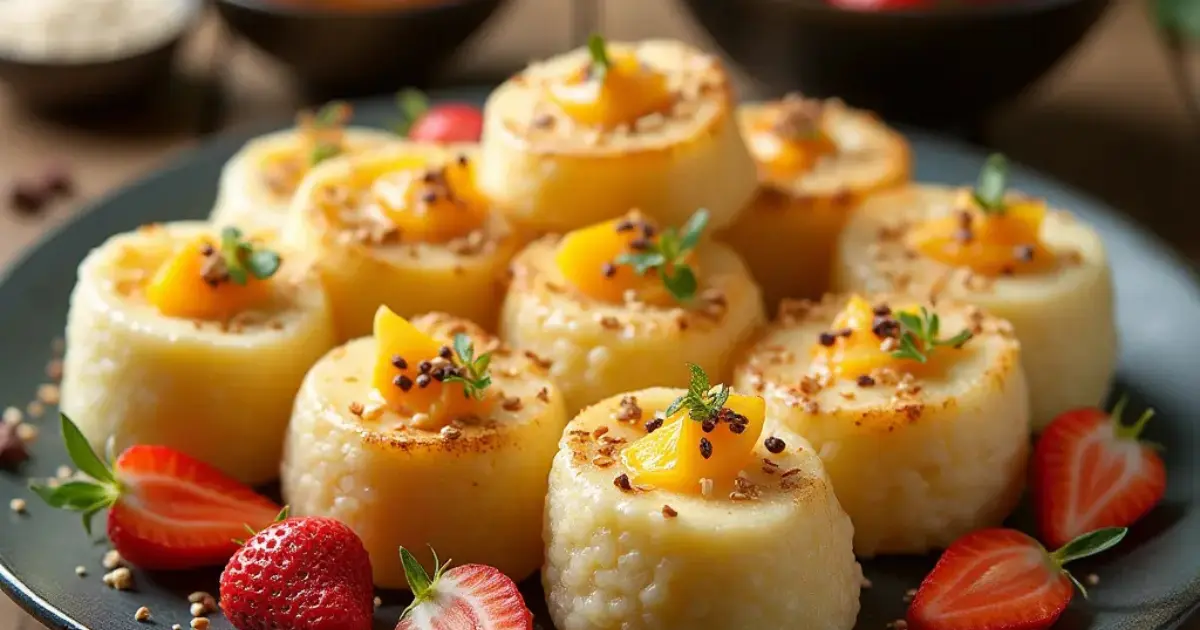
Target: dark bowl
x=70, y=86
x=350, y=53
x=941, y=66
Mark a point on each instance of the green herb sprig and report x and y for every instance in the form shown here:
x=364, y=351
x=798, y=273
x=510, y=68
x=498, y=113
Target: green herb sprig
x=243, y=259
x=473, y=371
x=702, y=400
x=1086, y=545
x=992, y=185
x=412, y=104
x=330, y=117
x=668, y=255
x=919, y=336
x=600, y=61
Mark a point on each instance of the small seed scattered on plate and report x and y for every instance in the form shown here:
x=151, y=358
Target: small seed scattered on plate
x=199, y=623
x=142, y=614
x=17, y=505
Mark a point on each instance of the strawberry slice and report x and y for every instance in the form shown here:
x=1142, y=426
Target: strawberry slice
x=1090, y=471
x=445, y=122
x=166, y=510
x=1002, y=579
x=467, y=596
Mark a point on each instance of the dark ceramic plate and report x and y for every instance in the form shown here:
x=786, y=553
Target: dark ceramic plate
x=1151, y=582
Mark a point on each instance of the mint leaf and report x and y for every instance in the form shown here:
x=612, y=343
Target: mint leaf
x=600, y=59
x=992, y=184
x=82, y=455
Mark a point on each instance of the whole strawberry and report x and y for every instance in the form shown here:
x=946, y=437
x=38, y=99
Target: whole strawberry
x=309, y=573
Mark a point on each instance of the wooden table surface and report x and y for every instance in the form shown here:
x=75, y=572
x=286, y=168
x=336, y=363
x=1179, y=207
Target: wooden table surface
x=1108, y=120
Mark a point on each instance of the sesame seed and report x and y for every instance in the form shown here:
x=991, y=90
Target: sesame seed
x=199, y=623
x=27, y=432
x=81, y=570
x=603, y=461
x=600, y=430
x=198, y=597
x=176, y=626
x=48, y=393
x=142, y=614
x=119, y=578
x=450, y=432
x=17, y=505
x=198, y=609
x=12, y=415
x=669, y=512
x=775, y=445
x=112, y=559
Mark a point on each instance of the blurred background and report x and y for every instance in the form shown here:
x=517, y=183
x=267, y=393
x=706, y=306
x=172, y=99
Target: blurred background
x=1102, y=94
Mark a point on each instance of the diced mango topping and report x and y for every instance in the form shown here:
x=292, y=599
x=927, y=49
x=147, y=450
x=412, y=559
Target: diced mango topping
x=613, y=89
x=431, y=204
x=608, y=260
x=992, y=234
x=209, y=281
x=414, y=373
x=865, y=338
x=682, y=452
x=587, y=259
x=988, y=243
x=788, y=138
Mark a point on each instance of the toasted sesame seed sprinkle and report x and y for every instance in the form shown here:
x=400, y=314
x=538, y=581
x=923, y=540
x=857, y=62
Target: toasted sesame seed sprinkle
x=142, y=614
x=17, y=505
x=81, y=570
x=600, y=430
x=622, y=482
x=198, y=609
x=112, y=559
x=198, y=597
x=199, y=623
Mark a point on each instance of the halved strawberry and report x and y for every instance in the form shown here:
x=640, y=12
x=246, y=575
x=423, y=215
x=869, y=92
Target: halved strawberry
x=467, y=596
x=445, y=122
x=166, y=510
x=1090, y=471
x=1002, y=579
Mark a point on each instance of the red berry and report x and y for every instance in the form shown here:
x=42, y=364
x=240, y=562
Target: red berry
x=1090, y=471
x=450, y=122
x=309, y=573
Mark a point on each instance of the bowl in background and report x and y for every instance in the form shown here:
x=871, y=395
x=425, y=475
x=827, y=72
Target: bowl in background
x=73, y=85
x=341, y=52
x=943, y=66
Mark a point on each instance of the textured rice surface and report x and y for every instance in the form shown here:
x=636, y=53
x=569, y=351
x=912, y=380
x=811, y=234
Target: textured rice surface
x=411, y=278
x=916, y=463
x=599, y=349
x=1051, y=312
x=222, y=393
x=564, y=176
x=476, y=498
x=615, y=561
x=245, y=200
